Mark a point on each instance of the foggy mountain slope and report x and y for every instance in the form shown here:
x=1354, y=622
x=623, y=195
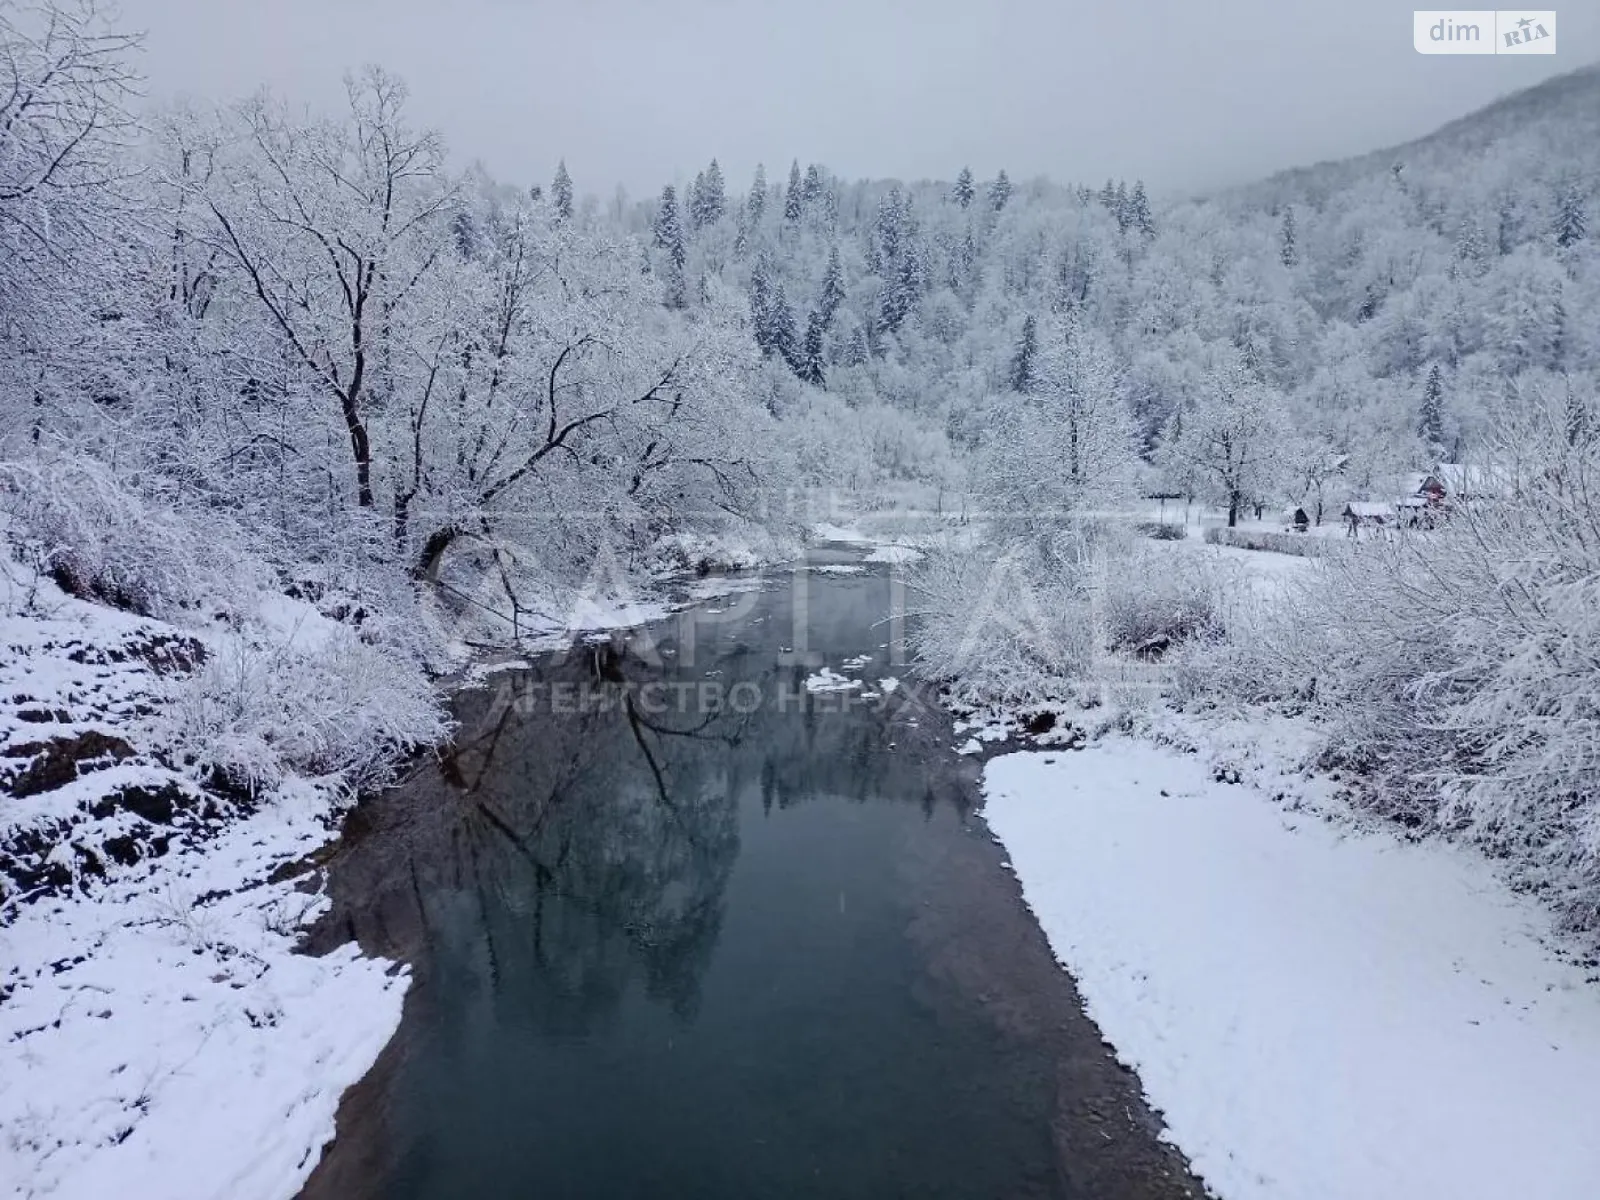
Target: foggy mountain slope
x=1561, y=114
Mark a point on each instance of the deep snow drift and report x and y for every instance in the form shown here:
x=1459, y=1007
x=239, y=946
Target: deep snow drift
x=1321, y=1014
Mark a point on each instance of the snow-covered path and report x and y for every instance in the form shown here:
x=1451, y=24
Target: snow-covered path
x=1320, y=1014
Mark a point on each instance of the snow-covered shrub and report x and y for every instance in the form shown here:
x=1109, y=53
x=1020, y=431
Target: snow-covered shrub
x=1152, y=600
x=1008, y=624
x=1264, y=539
x=324, y=705
x=102, y=540
x=1163, y=531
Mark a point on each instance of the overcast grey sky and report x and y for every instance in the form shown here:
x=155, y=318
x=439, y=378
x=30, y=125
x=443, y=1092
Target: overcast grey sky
x=1186, y=94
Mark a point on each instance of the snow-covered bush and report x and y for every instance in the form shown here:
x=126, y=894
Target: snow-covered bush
x=99, y=539
x=263, y=708
x=1009, y=624
x=1152, y=600
x=1163, y=531
x=1264, y=539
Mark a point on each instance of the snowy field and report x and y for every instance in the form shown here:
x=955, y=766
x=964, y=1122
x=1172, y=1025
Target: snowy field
x=1321, y=1014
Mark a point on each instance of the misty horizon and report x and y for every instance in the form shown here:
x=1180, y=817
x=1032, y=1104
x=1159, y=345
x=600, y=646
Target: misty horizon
x=637, y=97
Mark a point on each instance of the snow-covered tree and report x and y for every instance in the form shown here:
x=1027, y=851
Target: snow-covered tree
x=1000, y=191
x=756, y=201
x=668, y=227
x=964, y=188
x=561, y=192
x=1231, y=438
x=1570, y=225
x=793, y=200
x=1022, y=375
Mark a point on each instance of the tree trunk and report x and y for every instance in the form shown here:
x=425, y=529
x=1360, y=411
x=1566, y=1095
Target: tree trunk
x=1233, y=509
x=427, y=567
x=361, y=446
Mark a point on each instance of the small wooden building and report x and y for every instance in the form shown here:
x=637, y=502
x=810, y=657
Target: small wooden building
x=1367, y=514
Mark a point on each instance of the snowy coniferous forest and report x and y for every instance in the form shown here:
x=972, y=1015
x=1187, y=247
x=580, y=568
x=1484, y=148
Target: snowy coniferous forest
x=256, y=356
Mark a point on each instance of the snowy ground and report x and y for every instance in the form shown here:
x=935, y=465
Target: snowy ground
x=159, y=1036
x=163, y=1039
x=1321, y=1013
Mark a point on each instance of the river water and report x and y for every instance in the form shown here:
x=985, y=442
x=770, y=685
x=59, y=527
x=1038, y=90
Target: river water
x=682, y=928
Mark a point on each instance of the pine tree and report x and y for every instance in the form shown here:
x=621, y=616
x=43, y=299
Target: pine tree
x=811, y=189
x=1430, y=425
x=1571, y=225
x=811, y=362
x=668, y=228
x=963, y=191
x=833, y=293
x=791, y=199
x=1120, y=206
x=1000, y=191
x=1141, y=217
x=1108, y=196
x=1023, y=375
x=561, y=192
x=756, y=201
x=1288, y=247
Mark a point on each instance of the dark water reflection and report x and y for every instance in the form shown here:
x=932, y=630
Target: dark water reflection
x=666, y=948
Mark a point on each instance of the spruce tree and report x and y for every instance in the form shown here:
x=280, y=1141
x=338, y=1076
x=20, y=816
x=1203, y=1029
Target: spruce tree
x=1140, y=215
x=811, y=188
x=781, y=337
x=811, y=364
x=963, y=191
x=858, y=350
x=710, y=198
x=889, y=228
x=756, y=201
x=1580, y=427
x=1430, y=424
x=694, y=201
x=761, y=303
x=668, y=227
x=1506, y=239
x=833, y=293
x=1120, y=206
x=1023, y=375
x=791, y=199
x=1571, y=225
x=1288, y=246
x=1000, y=191
x=561, y=192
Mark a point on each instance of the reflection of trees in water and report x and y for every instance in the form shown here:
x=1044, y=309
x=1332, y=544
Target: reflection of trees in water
x=553, y=860
x=554, y=856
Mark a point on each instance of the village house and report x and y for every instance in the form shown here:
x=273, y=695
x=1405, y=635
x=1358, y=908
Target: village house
x=1367, y=514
